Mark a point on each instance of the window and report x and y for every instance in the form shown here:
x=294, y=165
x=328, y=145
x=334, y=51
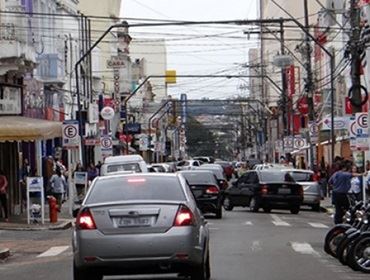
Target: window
x=134, y=167
x=136, y=188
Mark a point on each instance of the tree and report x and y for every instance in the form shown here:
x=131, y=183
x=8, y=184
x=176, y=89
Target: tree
x=200, y=140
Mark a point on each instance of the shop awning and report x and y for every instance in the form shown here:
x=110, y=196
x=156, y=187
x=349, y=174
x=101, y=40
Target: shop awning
x=16, y=128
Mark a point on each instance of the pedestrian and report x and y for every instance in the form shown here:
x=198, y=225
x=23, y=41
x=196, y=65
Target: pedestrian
x=98, y=166
x=26, y=171
x=341, y=182
x=92, y=172
x=58, y=187
x=356, y=186
x=80, y=188
x=3, y=195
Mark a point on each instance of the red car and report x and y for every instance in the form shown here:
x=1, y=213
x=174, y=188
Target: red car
x=228, y=168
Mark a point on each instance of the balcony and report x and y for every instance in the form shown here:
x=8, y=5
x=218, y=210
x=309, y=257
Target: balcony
x=50, y=68
x=16, y=54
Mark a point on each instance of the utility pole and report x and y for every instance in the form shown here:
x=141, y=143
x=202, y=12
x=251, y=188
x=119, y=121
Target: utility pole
x=309, y=85
x=355, y=97
x=284, y=84
x=355, y=90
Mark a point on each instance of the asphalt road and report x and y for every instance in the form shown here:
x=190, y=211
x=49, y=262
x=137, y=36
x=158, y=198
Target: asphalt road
x=244, y=245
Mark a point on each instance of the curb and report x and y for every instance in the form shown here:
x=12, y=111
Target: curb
x=4, y=254
x=62, y=226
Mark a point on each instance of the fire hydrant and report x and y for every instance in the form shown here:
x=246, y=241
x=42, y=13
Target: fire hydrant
x=53, y=209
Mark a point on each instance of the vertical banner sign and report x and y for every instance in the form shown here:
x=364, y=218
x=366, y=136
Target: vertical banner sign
x=314, y=131
x=362, y=134
x=71, y=138
x=352, y=133
x=35, y=200
x=106, y=146
x=183, y=107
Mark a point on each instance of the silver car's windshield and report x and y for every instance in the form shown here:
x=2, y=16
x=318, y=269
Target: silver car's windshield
x=136, y=188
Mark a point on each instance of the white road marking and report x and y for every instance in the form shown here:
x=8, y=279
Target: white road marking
x=248, y=223
x=214, y=228
x=53, y=251
x=303, y=248
x=318, y=225
x=279, y=222
x=256, y=246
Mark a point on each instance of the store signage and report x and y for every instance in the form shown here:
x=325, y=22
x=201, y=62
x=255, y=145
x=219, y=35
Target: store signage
x=133, y=128
x=116, y=62
x=340, y=123
x=107, y=113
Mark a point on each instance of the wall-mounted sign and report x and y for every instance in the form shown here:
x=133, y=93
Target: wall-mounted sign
x=133, y=128
x=107, y=113
x=116, y=62
x=10, y=100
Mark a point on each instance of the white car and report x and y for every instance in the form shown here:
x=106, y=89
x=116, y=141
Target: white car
x=188, y=164
x=124, y=164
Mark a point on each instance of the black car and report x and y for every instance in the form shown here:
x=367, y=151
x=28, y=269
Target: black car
x=207, y=193
x=266, y=189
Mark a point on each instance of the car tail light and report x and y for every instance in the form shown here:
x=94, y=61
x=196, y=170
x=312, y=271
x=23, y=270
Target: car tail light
x=264, y=189
x=212, y=190
x=184, y=217
x=85, y=220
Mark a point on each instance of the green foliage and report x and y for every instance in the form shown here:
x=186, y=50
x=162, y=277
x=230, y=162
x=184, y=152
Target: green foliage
x=200, y=140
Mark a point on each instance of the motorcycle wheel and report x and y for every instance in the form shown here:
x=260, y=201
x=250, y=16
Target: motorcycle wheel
x=343, y=248
x=359, y=253
x=332, y=238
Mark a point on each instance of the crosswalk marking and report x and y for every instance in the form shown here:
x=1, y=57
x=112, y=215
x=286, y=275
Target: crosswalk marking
x=279, y=222
x=248, y=223
x=53, y=251
x=318, y=225
x=303, y=248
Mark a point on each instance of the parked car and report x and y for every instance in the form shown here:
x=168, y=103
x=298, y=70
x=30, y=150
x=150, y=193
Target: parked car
x=125, y=164
x=267, y=189
x=311, y=188
x=228, y=168
x=205, y=159
x=218, y=171
x=140, y=223
x=207, y=193
x=188, y=164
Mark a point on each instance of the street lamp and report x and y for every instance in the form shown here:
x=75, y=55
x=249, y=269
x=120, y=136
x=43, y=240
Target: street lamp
x=123, y=24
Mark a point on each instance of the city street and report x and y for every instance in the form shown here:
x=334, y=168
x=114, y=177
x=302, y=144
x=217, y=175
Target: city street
x=244, y=245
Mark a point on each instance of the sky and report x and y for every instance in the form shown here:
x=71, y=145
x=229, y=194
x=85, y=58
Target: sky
x=199, y=50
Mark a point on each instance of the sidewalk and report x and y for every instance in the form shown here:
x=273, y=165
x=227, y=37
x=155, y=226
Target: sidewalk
x=19, y=222
x=327, y=206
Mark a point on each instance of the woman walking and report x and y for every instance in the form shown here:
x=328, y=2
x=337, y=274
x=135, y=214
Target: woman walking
x=3, y=195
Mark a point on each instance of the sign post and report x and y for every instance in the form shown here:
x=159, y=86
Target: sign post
x=35, y=200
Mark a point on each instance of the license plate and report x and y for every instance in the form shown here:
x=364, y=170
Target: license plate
x=284, y=191
x=134, y=222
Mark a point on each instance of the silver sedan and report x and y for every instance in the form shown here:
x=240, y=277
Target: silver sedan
x=140, y=223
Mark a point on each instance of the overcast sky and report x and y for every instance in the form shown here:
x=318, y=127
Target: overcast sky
x=223, y=50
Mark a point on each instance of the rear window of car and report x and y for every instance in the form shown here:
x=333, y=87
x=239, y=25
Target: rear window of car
x=136, y=188
x=199, y=178
x=134, y=167
x=273, y=176
x=302, y=176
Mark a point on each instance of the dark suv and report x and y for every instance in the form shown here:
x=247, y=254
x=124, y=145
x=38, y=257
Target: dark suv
x=267, y=189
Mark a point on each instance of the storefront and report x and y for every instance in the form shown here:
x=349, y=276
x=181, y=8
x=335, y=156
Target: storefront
x=22, y=137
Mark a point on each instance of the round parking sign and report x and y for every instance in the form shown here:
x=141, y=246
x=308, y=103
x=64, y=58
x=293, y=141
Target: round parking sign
x=362, y=121
x=70, y=131
x=106, y=143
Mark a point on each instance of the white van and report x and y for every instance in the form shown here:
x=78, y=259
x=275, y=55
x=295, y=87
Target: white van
x=123, y=164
